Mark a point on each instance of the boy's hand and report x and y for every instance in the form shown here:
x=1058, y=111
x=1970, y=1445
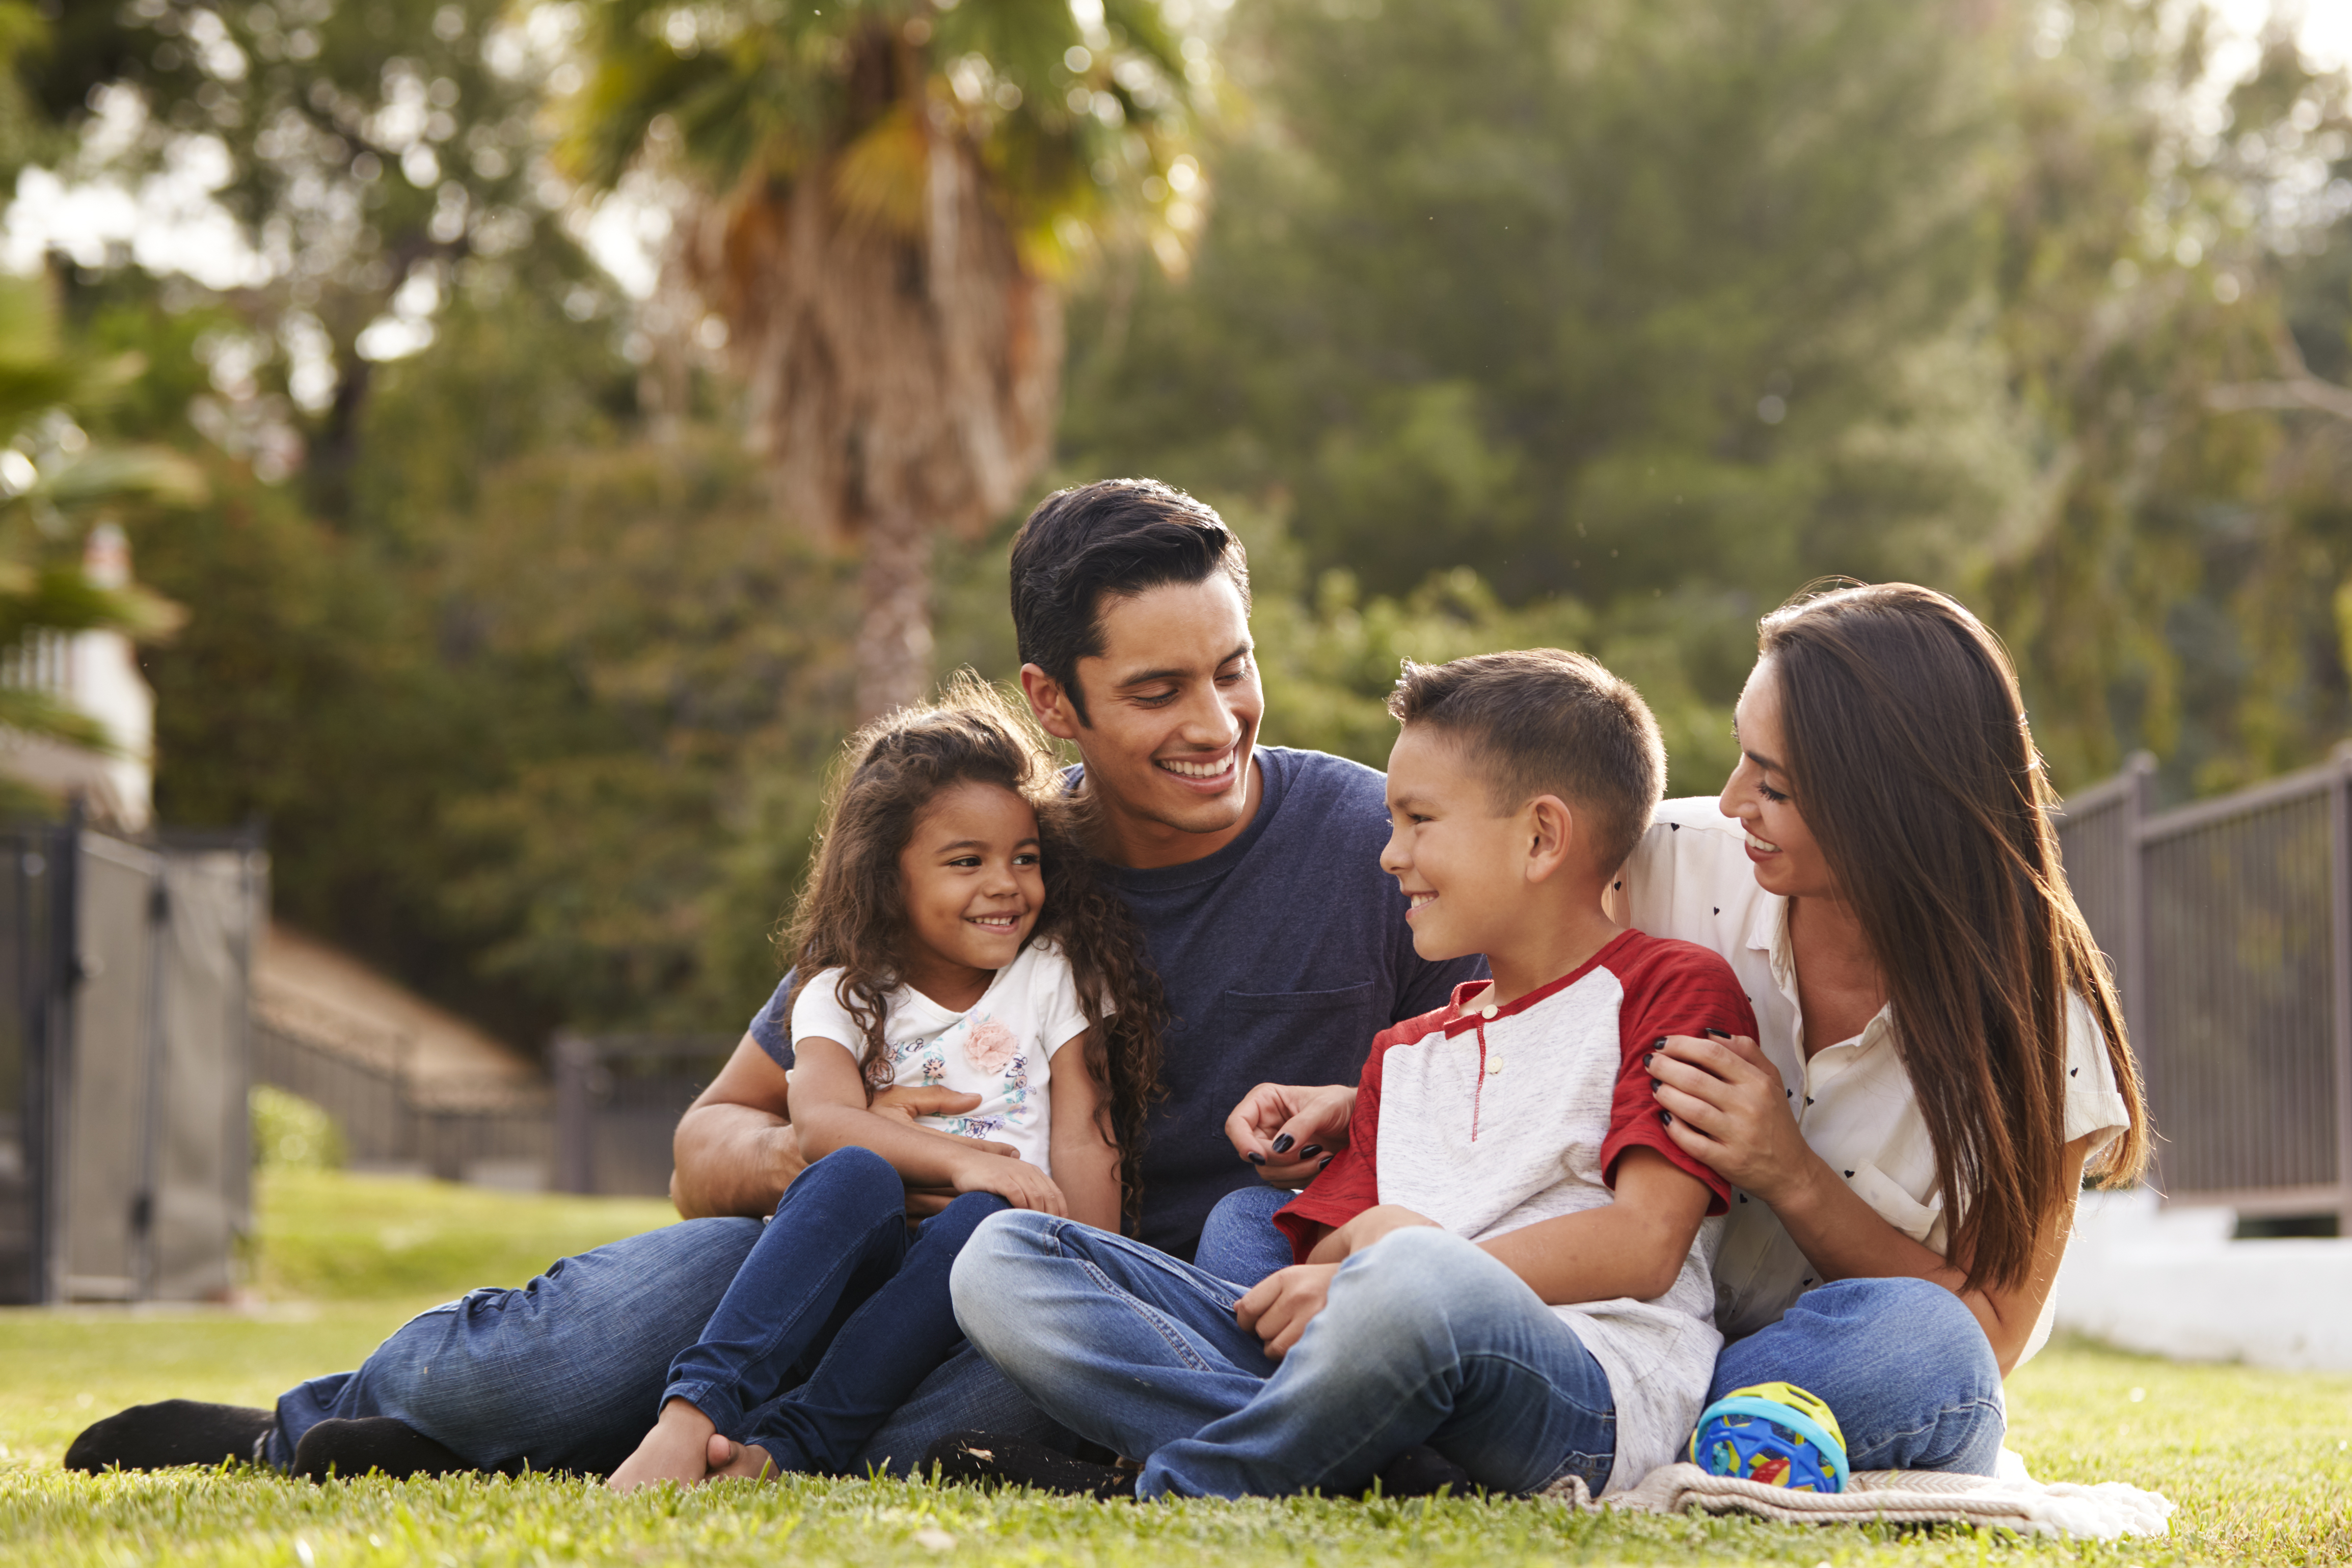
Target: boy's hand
x=1022, y=1185
x=1732, y=1110
x=1290, y=1132
x=1279, y=1307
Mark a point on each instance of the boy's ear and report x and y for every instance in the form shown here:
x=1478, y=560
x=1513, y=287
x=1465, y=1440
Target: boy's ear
x=1551, y=845
x=1049, y=702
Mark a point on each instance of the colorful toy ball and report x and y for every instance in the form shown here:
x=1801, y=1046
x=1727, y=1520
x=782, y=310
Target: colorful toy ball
x=1774, y=1432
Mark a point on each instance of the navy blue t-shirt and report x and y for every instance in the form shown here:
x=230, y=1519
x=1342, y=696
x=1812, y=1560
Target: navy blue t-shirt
x=1282, y=955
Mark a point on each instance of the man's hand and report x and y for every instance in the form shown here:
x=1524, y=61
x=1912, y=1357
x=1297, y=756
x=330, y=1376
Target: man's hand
x=1279, y=1307
x=1290, y=1132
x=1730, y=1110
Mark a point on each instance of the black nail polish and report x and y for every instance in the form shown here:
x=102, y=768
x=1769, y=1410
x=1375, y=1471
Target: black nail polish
x=1667, y=1117
x=1310, y=1151
x=1659, y=1044
x=1718, y=1034
x=1325, y=1160
x=1655, y=1085
x=1282, y=1144
x=1648, y=1059
x=1254, y=1158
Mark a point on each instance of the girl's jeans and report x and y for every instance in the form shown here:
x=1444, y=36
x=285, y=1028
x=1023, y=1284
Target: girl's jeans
x=833, y=1281
x=1425, y=1339
x=567, y=1372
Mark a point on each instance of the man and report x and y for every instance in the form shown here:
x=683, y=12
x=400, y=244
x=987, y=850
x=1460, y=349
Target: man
x=1254, y=876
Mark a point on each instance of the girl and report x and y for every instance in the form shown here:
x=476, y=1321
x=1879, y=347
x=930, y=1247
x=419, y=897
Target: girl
x=951, y=934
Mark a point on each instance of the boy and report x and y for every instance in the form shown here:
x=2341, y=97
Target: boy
x=1439, y=1254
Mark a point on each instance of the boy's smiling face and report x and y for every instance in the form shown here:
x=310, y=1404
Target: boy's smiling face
x=1462, y=865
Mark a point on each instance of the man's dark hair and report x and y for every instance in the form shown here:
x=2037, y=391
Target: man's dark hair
x=1542, y=721
x=1116, y=538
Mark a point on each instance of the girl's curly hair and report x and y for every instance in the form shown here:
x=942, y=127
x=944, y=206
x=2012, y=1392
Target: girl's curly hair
x=852, y=913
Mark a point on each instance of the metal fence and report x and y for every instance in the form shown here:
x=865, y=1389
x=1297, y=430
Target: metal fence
x=489, y=1131
x=124, y=1160
x=604, y=1125
x=2229, y=926
x=617, y=1101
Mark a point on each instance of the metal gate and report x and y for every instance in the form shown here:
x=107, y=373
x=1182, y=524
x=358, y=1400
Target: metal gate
x=2228, y=927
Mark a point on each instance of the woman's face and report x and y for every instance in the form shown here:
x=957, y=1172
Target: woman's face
x=1787, y=860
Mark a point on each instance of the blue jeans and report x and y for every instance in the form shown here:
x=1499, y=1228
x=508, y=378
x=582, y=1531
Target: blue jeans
x=1902, y=1364
x=837, y=1280
x=1424, y=1339
x=1239, y=1243
x=567, y=1372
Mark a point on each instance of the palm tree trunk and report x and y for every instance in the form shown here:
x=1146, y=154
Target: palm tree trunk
x=894, y=632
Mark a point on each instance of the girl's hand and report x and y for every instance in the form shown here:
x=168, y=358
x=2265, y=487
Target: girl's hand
x=1730, y=1110
x=1289, y=1133
x=1022, y=1185
x=1278, y=1307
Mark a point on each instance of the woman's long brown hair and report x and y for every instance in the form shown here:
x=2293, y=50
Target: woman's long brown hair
x=851, y=914
x=1910, y=757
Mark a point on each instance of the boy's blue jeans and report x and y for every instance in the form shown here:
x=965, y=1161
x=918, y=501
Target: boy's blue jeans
x=1902, y=1363
x=1424, y=1339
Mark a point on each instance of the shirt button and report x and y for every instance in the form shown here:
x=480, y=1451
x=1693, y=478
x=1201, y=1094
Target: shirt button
x=1494, y=1066
x=1487, y=1012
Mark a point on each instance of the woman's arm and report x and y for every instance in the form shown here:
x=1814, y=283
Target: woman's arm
x=828, y=1105
x=1085, y=1164
x=1729, y=1109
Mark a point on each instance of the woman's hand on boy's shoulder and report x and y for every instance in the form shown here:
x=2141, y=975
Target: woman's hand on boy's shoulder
x=1289, y=1130
x=1730, y=1110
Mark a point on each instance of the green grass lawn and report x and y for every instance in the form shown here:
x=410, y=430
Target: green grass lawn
x=2260, y=1463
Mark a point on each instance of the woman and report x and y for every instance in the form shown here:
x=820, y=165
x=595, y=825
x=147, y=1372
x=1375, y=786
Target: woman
x=1942, y=1059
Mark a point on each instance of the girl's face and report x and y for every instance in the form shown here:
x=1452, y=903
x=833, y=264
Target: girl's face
x=1779, y=845
x=974, y=889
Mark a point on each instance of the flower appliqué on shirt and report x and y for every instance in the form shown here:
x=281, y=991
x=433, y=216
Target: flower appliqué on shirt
x=989, y=1047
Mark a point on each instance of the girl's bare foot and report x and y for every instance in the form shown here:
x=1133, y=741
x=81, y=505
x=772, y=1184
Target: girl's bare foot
x=729, y=1457
x=675, y=1450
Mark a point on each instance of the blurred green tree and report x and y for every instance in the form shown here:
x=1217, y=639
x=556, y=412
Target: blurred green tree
x=886, y=194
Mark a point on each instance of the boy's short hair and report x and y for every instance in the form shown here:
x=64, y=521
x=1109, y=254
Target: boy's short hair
x=1119, y=538
x=1543, y=721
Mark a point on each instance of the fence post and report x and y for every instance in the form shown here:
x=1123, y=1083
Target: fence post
x=575, y=1149
x=2339, y=816
x=2139, y=786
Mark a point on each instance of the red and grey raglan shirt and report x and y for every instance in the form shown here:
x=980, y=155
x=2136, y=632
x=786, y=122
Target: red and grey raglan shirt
x=1487, y=1118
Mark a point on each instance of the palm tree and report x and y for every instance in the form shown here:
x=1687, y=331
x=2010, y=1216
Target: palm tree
x=890, y=193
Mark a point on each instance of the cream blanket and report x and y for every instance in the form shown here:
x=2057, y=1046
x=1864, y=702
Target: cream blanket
x=2101, y=1513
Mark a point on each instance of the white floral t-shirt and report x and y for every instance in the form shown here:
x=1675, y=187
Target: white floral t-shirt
x=1000, y=1049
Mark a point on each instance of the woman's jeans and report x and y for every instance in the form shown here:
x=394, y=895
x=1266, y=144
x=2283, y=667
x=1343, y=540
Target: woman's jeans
x=834, y=1280
x=1424, y=1339
x=1902, y=1364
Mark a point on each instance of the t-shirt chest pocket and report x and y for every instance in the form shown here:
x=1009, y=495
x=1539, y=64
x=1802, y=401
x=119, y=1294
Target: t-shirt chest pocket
x=1346, y=1017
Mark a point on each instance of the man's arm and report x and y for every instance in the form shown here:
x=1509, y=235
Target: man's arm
x=735, y=1151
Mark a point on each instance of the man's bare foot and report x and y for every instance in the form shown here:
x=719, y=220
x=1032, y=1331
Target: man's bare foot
x=674, y=1450
x=729, y=1457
